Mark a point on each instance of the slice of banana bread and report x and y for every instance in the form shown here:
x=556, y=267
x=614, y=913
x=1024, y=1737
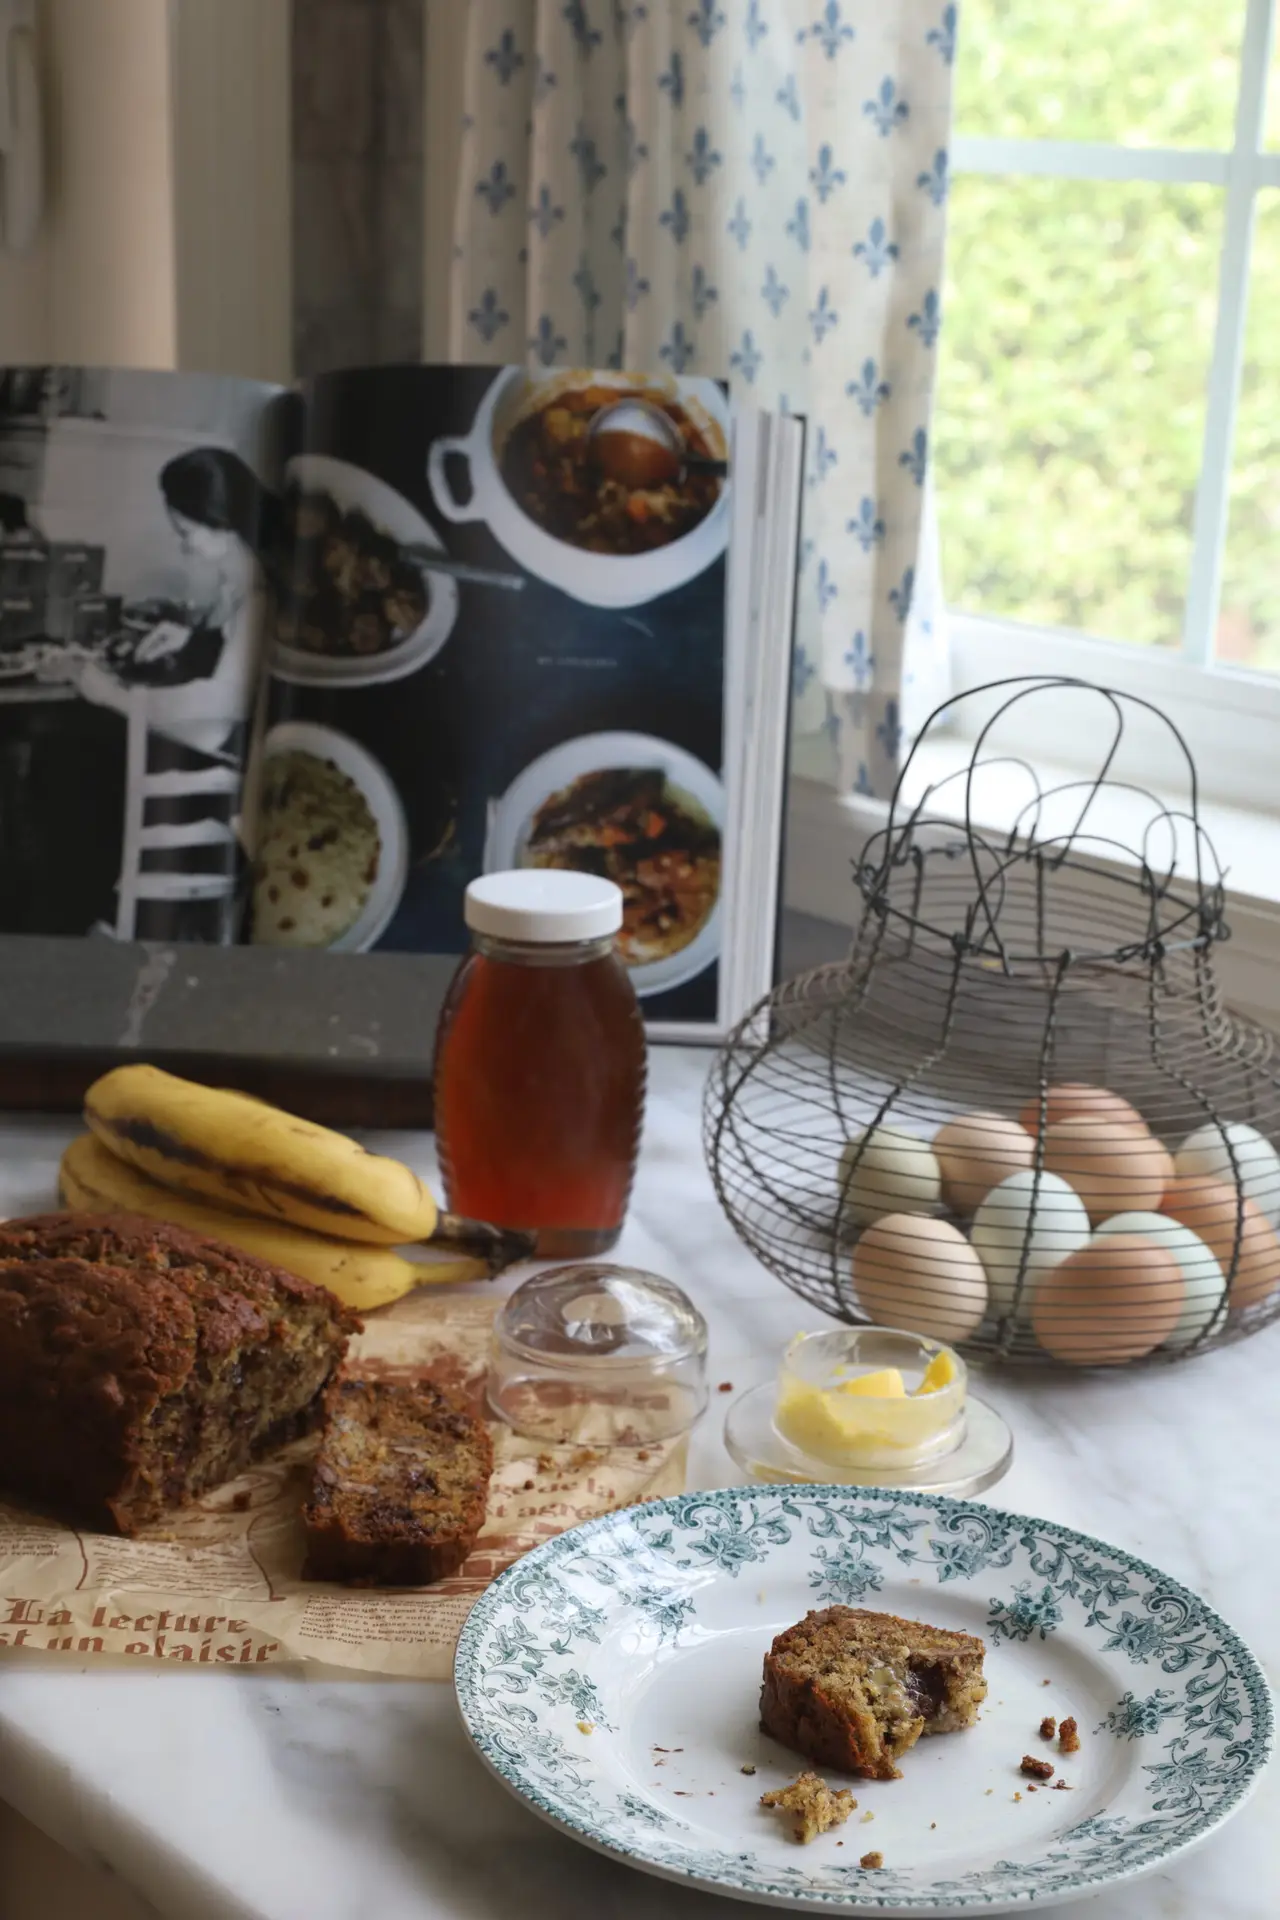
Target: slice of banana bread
x=853, y=1690
x=400, y=1484
x=140, y=1365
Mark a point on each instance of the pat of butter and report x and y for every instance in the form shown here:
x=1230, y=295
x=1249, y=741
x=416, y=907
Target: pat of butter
x=869, y=1420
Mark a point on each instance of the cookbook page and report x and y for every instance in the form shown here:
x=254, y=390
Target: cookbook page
x=494, y=652
x=139, y=517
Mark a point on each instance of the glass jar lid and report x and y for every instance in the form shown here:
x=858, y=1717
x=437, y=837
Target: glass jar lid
x=599, y=1354
x=543, y=905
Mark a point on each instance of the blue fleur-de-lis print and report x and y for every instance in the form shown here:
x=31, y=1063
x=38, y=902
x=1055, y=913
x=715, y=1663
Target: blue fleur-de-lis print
x=544, y=213
x=862, y=784
x=618, y=231
x=701, y=293
x=739, y=227
x=590, y=165
x=679, y=349
x=543, y=80
x=755, y=26
x=933, y=180
x=760, y=160
x=825, y=586
x=868, y=389
x=506, y=58
x=588, y=292
x=738, y=89
x=488, y=318
x=888, y=110
x=702, y=158
x=496, y=189
x=706, y=21
x=928, y=322
x=676, y=218
x=634, y=150
x=943, y=36
x=877, y=250
x=900, y=596
x=672, y=81
x=889, y=730
x=824, y=458
x=802, y=671
x=773, y=293
x=747, y=357
x=860, y=662
x=915, y=459
x=825, y=176
x=586, y=37
x=823, y=317
x=866, y=526
x=788, y=96
x=806, y=553
x=546, y=342
x=798, y=226
x=830, y=30
x=629, y=17
x=635, y=286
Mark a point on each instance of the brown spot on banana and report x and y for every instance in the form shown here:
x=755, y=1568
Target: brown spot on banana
x=144, y=1133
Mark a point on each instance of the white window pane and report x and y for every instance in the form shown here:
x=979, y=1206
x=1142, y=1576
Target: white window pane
x=1138, y=72
x=1249, y=618
x=1070, y=410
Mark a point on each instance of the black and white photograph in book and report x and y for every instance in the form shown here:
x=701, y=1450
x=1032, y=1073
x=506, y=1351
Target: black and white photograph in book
x=138, y=527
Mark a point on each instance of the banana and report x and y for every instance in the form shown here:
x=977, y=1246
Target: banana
x=248, y=1156
x=363, y=1277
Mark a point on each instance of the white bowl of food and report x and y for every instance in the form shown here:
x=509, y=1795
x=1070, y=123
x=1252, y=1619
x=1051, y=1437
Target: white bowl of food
x=530, y=481
x=362, y=606
x=332, y=853
x=646, y=814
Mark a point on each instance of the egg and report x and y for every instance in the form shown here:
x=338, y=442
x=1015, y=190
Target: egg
x=1208, y=1151
x=1049, y=1221
x=895, y=1173
x=1202, y=1276
x=975, y=1153
x=1112, y=1166
x=1209, y=1208
x=919, y=1274
x=1114, y=1300
x=1072, y=1100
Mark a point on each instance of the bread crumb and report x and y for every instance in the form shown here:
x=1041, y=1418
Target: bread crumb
x=528, y=1486
x=643, y=1454
x=1048, y=1727
x=747, y=1769
x=1017, y=1796
x=932, y=1825
x=1036, y=1769
x=871, y=1860
x=726, y=1386
x=547, y=1465
x=1046, y=1683
x=1061, y=1786
x=240, y=1501
x=1068, y=1737
x=990, y=1789
x=585, y=1726
x=1033, y=1789
x=811, y=1805
x=868, y=1815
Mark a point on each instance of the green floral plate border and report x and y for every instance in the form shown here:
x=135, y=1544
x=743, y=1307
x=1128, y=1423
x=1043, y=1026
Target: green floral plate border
x=534, y=1666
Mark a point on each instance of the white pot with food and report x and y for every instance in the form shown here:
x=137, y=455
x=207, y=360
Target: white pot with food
x=532, y=479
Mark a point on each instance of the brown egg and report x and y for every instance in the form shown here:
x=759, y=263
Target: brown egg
x=975, y=1152
x=1074, y=1101
x=1113, y=1301
x=1114, y=1166
x=921, y=1274
x=1208, y=1207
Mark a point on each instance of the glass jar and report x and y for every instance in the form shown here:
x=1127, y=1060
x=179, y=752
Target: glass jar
x=540, y=1062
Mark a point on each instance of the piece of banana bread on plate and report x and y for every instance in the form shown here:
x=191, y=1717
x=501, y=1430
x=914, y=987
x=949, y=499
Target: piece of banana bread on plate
x=400, y=1484
x=140, y=1365
x=854, y=1690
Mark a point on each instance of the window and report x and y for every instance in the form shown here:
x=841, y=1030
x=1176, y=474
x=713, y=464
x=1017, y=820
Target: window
x=1107, y=422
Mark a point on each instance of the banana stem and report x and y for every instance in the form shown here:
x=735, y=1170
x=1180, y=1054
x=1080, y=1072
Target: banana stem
x=498, y=1247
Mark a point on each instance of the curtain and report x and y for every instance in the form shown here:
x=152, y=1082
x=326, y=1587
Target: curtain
x=753, y=189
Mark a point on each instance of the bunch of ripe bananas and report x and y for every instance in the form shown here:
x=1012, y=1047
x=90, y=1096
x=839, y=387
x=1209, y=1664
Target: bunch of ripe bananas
x=234, y=1169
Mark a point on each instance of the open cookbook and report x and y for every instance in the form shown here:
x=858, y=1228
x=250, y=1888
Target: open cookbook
x=288, y=669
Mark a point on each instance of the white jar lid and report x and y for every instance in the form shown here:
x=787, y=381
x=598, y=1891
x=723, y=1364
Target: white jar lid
x=544, y=905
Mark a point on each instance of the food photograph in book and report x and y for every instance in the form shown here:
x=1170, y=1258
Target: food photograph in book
x=500, y=642
x=136, y=513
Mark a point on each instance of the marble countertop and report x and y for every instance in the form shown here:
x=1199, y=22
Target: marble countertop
x=273, y=1795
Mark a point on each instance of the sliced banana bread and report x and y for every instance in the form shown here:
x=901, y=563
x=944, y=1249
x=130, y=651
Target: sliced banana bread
x=853, y=1690
x=140, y=1365
x=400, y=1484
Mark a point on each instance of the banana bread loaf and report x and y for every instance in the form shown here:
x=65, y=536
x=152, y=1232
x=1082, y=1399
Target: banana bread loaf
x=400, y=1484
x=140, y=1365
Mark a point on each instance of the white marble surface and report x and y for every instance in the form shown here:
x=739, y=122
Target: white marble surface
x=278, y=1795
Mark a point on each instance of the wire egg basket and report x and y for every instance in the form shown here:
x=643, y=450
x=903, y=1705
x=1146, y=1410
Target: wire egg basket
x=1019, y=1117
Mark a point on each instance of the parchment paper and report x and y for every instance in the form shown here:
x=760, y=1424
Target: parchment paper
x=219, y=1583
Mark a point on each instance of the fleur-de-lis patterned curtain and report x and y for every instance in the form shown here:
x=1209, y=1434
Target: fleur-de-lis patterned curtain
x=750, y=188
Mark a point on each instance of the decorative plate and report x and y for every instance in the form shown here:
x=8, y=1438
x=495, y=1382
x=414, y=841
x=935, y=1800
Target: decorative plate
x=610, y=1679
